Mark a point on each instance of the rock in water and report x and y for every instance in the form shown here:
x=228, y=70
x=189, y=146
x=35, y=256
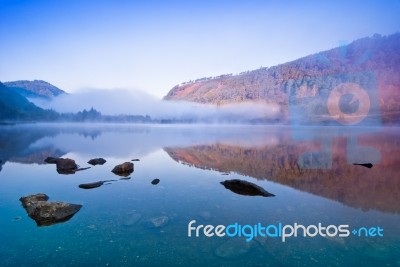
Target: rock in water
x=66, y=166
x=135, y=160
x=97, y=161
x=368, y=165
x=91, y=185
x=132, y=219
x=124, y=169
x=159, y=221
x=47, y=213
x=245, y=188
x=51, y=160
x=94, y=184
x=155, y=181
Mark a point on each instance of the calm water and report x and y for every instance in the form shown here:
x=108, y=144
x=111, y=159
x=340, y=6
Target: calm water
x=309, y=170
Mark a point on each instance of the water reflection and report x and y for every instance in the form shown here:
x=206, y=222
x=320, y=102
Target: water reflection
x=316, y=160
x=334, y=175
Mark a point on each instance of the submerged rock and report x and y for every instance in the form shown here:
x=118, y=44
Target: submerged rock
x=124, y=169
x=66, y=166
x=245, y=188
x=47, y=213
x=18, y=218
x=233, y=248
x=159, y=221
x=132, y=219
x=155, y=181
x=97, y=161
x=205, y=215
x=367, y=165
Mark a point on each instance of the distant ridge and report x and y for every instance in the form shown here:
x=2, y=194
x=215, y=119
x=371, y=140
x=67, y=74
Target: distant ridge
x=36, y=88
x=308, y=81
x=15, y=107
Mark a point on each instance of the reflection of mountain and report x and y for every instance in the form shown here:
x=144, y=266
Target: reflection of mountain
x=356, y=186
x=15, y=145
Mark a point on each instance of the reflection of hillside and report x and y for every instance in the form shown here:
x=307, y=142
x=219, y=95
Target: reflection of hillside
x=16, y=142
x=356, y=186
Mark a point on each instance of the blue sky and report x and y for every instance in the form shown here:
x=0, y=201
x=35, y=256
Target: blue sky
x=154, y=45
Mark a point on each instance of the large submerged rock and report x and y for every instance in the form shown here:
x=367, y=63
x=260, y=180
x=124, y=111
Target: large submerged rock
x=245, y=188
x=124, y=169
x=47, y=213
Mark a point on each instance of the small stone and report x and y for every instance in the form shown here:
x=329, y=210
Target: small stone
x=66, y=166
x=159, y=221
x=155, y=181
x=132, y=219
x=124, y=169
x=97, y=161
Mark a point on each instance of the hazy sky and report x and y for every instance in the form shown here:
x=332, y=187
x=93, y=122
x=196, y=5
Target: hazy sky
x=154, y=45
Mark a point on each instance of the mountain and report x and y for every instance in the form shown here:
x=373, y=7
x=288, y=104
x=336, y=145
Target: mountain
x=302, y=87
x=36, y=88
x=15, y=107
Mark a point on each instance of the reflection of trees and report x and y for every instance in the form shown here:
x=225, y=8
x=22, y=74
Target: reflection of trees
x=16, y=142
x=356, y=186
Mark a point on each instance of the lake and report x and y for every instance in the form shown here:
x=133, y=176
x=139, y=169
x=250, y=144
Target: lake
x=133, y=222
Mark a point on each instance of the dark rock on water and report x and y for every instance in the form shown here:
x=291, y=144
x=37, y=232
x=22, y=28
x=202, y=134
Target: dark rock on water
x=51, y=160
x=245, y=188
x=125, y=178
x=159, y=221
x=97, y=161
x=91, y=185
x=135, y=160
x=47, y=213
x=94, y=184
x=66, y=166
x=124, y=169
x=367, y=165
x=155, y=181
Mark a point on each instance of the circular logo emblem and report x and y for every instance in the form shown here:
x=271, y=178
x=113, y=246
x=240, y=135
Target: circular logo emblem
x=357, y=95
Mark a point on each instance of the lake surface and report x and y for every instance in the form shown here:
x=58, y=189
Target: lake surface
x=309, y=170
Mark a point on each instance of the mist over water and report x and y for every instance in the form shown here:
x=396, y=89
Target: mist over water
x=137, y=102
